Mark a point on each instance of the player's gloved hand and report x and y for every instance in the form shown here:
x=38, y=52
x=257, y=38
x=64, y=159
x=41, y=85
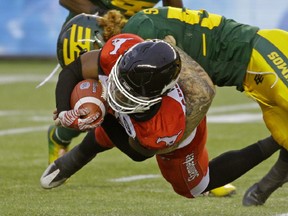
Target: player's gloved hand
x=55, y=114
x=77, y=119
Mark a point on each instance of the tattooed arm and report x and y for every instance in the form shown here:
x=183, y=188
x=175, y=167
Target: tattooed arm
x=197, y=87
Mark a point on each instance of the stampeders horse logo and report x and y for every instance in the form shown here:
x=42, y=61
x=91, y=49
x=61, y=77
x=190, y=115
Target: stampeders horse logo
x=117, y=43
x=169, y=140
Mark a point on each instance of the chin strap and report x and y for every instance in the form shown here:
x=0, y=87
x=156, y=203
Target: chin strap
x=145, y=116
x=99, y=39
x=49, y=76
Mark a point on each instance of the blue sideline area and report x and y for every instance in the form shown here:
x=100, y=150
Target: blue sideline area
x=31, y=27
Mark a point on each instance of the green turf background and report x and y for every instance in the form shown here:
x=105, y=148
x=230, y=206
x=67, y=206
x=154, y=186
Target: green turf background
x=23, y=158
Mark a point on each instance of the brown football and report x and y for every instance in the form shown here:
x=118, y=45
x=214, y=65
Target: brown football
x=91, y=94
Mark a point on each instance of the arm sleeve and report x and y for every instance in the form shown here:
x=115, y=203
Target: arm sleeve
x=68, y=78
x=120, y=138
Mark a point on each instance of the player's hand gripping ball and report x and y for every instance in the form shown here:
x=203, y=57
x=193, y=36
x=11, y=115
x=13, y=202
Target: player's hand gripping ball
x=90, y=95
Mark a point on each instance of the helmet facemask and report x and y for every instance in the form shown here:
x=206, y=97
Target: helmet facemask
x=142, y=76
x=120, y=100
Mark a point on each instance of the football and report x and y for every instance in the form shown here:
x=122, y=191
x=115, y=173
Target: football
x=90, y=94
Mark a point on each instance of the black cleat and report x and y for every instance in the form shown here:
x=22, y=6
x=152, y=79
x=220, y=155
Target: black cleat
x=254, y=196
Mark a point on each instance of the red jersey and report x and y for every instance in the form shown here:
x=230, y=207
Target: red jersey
x=186, y=168
x=165, y=128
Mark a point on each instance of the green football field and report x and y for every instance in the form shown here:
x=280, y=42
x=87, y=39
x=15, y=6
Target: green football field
x=112, y=184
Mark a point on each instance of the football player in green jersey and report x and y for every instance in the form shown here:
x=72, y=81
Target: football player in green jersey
x=183, y=164
x=59, y=138
x=233, y=54
x=74, y=39
x=127, y=7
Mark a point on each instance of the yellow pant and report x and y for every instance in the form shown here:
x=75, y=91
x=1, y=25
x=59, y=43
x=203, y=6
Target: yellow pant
x=266, y=81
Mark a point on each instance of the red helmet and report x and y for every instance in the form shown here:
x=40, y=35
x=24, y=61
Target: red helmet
x=114, y=47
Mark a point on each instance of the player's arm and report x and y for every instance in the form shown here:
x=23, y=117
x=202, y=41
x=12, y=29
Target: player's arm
x=198, y=90
x=173, y=3
x=84, y=67
x=89, y=64
x=138, y=147
x=197, y=87
x=81, y=6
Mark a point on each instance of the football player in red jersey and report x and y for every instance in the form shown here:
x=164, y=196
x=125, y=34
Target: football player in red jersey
x=59, y=138
x=233, y=54
x=142, y=90
x=83, y=27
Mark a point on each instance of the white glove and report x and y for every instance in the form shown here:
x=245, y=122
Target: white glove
x=72, y=119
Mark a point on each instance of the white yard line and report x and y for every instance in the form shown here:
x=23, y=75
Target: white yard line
x=235, y=118
x=23, y=130
x=8, y=79
x=134, y=178
x=234, y=107
x=212, y=117
x=230, y=119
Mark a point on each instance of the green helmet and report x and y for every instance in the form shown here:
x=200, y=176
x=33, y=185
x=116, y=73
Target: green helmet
x=78, y=36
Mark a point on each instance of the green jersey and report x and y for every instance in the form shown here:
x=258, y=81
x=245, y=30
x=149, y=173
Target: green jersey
x=127, y=7
x=221, y=46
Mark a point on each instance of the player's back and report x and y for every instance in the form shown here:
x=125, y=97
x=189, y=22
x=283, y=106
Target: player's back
x=221, y=46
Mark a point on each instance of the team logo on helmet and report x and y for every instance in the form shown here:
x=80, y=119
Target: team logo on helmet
x=117, y=43
x=78, y=36
x=76, y=44
x=114, y=47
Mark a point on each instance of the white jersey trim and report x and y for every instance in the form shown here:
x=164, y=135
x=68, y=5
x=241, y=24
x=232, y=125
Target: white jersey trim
x=188, y=140
x=126, y=122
